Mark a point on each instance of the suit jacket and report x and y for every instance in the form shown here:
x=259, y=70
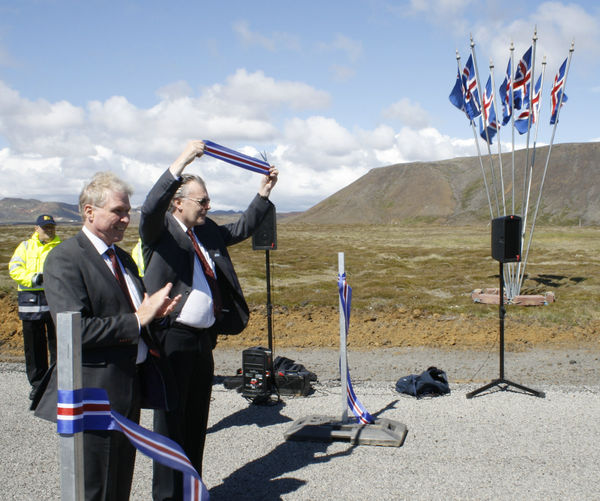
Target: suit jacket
x=76, y=278
x=169, y=255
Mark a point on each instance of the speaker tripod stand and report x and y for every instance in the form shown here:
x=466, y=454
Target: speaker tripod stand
x=501, y=382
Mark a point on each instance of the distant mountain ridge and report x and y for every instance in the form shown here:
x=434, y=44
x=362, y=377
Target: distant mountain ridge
x=26, y=211
x=445, y=191
x=453, y=191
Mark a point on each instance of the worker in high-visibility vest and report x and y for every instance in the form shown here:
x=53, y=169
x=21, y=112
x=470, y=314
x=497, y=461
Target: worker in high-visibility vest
x=26, y=267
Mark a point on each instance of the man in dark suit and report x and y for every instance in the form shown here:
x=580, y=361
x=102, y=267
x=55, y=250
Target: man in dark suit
x=182, y=246
x=83, y=275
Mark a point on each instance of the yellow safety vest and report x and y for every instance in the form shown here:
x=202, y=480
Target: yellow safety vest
x=28, y=259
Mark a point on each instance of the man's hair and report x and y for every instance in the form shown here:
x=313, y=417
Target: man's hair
x=95, y=192
x=182, y=191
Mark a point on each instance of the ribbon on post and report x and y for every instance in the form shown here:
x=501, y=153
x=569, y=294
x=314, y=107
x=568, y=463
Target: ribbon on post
x=362, y=416
x=89, y=409
x=236, y=158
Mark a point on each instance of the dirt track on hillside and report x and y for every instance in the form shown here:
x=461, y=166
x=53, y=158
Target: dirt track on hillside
x=312, y=327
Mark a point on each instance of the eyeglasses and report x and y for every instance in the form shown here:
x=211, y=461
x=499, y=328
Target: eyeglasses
x=202, y=202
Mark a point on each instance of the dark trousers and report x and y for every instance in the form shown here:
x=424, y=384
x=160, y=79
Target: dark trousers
x=189, y=352
x=39, y=338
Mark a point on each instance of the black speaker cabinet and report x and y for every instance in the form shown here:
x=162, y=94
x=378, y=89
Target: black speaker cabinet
x=506, y=239
x=265, y=236
x=256, y=372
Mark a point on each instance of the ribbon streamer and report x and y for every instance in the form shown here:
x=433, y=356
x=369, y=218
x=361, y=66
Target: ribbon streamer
x=236, y=158
x=354, y=403
x=89, y=409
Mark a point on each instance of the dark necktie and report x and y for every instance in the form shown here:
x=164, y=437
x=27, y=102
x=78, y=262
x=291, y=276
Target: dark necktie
x=211, y=279
x=146, y=336
x=119, y=275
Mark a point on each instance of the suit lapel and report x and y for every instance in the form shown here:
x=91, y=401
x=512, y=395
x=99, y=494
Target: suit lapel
x=96, y=261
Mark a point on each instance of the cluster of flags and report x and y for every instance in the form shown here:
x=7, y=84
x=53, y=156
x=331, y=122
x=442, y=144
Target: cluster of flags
x=520, y=100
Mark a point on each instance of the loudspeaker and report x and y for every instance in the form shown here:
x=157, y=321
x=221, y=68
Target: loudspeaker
x=265, y=236
x=506, y=238
x=256, y=372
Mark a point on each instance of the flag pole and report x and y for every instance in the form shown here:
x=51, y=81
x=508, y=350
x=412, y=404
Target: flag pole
x=495, y=104
x=487, y=191
x=512, y=118
x=525, y=195
x=343, y=347
x=535, y=136
x=509, y=275
x=562, y=94
x=485, y=128
x=524, y=207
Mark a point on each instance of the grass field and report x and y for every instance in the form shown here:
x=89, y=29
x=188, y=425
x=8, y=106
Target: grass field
x=430, y=268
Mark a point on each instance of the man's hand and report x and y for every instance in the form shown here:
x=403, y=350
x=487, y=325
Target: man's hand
x=268, y=182
x=157, y=305
x=193, y=150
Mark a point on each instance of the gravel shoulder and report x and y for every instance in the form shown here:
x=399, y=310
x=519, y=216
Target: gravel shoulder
x=500, y=445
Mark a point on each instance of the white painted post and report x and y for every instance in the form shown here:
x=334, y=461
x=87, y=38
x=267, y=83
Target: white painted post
x=343, y=359
x=68, y=332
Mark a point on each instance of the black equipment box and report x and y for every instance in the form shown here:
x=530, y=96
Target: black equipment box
x=292, y=383
x=257, y=364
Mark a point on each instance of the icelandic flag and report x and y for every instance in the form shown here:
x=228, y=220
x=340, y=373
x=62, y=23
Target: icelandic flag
x=457, y=96
x=488, y=119
x=521, y=82
x=522, y=119
x=236, y=158
x=537, y=94
x=362, y=416
x=558, y=91
x=89, y=409
x=470, y=87
x=504, y=93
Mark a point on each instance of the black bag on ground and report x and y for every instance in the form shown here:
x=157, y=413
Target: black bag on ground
x=292, y=378
x=431, y=382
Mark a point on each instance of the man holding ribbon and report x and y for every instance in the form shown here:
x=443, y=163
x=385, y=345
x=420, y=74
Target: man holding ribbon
x=183, y=246
x=89, y=274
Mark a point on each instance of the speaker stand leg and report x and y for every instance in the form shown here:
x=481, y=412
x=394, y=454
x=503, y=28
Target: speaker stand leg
x=501, y=381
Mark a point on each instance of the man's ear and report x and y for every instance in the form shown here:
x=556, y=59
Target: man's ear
x=88, y=212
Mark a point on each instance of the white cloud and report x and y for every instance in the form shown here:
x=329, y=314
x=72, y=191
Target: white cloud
x=274, y=42
x=342, y=73
x=352, y=49
x=58, y=146
x=408, y=112
x=557, y=26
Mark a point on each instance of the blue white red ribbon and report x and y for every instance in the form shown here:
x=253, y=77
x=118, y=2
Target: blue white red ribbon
x=236, y=158
x=89, y=409
x=354, y=403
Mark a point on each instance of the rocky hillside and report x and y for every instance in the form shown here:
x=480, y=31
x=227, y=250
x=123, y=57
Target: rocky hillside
x=453, y=191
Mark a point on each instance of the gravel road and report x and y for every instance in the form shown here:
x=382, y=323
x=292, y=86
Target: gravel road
x=500, y=445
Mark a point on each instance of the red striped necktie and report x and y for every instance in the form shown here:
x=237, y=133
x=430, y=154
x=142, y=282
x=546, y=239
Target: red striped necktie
x=119, y=276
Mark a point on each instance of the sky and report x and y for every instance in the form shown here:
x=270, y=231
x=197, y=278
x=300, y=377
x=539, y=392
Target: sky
x=327, y=90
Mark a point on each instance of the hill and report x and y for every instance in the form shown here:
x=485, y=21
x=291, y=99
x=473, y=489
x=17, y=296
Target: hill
x=25, y=211
x=453, y=191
